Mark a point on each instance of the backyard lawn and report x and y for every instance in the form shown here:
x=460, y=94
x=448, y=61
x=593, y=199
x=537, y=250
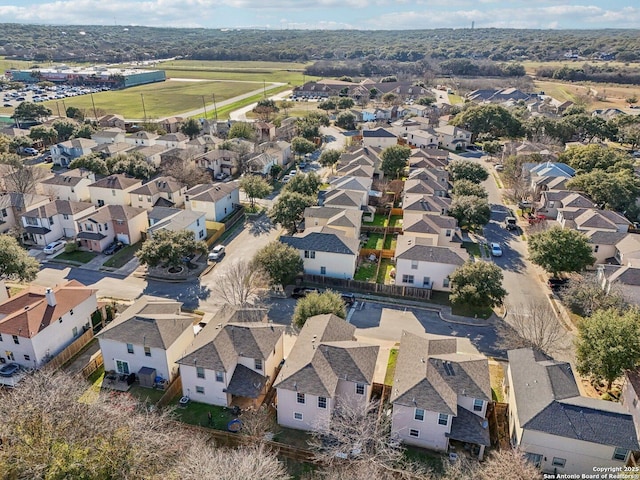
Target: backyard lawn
x=120, y=258
x=77, y=256
x=145, y=394
x=496, y=375
x=379, y=221
x=384, y=274
x=391, y=366
x=197, y=414
x=395, y=221
x=366, y=271
x=375, y=241
x=290, y=436
x=390, y=242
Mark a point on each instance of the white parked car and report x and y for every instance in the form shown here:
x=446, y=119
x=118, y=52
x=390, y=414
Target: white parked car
x=496, y=250
x=217, y=253
x=54, y=247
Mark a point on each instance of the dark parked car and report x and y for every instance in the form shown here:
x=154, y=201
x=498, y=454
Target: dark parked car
x=9, y=370
x=557, y=283
x=301, y=292
x=348, y=298
x=113, y=248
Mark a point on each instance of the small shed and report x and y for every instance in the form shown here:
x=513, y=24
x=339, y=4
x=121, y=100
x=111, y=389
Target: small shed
x=146, y=376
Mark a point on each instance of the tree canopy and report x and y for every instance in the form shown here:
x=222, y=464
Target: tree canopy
x=302, y=146
x=492, y=120
x=586, y=158
x=169, y=248
x=466, y=187
x=467, y=170
x=281, y=262
x=242, y=130
x=560, y=250
x=329, y=158
x=608, y=343
x=478, y=284
x=307, y=184
x=470, y=211
x=288, y=209
x=346, y=120
x=254, y=187
x=394, y=160
x=92, y=162
x=30, y=112
x=318, y=304
x=191, y=128
x=15, y=262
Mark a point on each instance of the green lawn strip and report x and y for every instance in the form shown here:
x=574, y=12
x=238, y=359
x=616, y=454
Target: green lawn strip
x=391, y=366
x=472, y=248
x=366, y=271
x=145, y=394
x=440, y=298
x=496, y=376
x=375, y=241
x=120, y=259
x=384, y=274
x=378, y=221
x=230, y=231
x=471, y=311
x=390, y=242
x=78, y=256
x=198, y=414
x=232, y=65
x=395, y=221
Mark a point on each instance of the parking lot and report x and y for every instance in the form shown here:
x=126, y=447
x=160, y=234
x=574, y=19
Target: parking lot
x=36, y=94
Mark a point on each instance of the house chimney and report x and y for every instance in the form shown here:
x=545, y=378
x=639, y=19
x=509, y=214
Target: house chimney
x=51, y=297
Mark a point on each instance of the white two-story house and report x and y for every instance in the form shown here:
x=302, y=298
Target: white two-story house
x=216, y=201
x=113, y=190
x=72, y=185
x=54, y=221
x=326, y=366
x=159, y=192
x=152, y=333
x=66, y=152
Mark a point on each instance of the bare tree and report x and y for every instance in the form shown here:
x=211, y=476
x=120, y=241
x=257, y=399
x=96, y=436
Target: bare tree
x=258, y=424
x=256, y=463
x=584, y=295
x=186, y=172
x=241, y=283
x=23, y=178
x=360, y=432
x=531, y=325
x=508, y=463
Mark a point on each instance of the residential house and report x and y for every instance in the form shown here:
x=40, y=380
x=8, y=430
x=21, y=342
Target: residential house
x=113, y=190
x=232, y=363
x=109, y=136
x=552, y=201
x=111, y=121
x=549, y=169
x=628, y=250
x=379, y=137
x=418, y=110
x=108, y=150
x=543, y=184
x=325, y=368
x=219, y=161
x=416, y=203
x=497, y=95
x=325, y=251
x=604, y=244
x=560, y=431
x=630, y=394
x=38, y=323
x=53, y=221
x=280, y=150
x=344, y=199
x=13, y=204
x=65, y=152
x=440, y=229
x=347, y=220
x=453, y=138
x=142, y=138
x=182, y=220
x=586, y=219
x=152, y=154
x=423, y=138
x=152, y=333
x=171, y=124
x=421, y=263
x=265, y=131
x=161, y=191
x=368, y=115
x=428, y=158
x=72, y=185
x=261, y=164
x=361, y=186
x=110, y=223
x=215, y=200
x=173, y=140
x=354, y=170
x=624, y=278
x=441, y=390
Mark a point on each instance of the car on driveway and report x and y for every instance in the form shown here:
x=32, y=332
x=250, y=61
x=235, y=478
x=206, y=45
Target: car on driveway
x=54, y=247
x=30, y=151
x=496, y=250
x=113, y=248
x=511, y=223
x=301, y=292
x=9, y=370
x=556, y=284
x=217, y=253
x=348, y=298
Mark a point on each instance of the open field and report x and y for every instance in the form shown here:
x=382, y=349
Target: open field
x=602, y=95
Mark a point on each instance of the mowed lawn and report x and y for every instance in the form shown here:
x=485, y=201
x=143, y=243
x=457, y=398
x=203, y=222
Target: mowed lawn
x=160, y=99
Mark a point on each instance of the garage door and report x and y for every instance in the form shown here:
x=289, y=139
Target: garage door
x=124, y=238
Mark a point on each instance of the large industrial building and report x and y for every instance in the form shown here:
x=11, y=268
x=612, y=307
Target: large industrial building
x=116, y=77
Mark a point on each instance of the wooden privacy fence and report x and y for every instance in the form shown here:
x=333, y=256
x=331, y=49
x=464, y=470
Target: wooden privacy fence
x=384, y=253
x=94, y=364
x=65, y=355
x=170, y=393
x=367, y=287
x=498, y=417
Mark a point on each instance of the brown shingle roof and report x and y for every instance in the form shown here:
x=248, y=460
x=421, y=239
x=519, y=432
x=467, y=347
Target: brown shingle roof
x=116, y=182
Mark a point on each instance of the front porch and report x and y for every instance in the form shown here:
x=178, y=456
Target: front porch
x=247, y=388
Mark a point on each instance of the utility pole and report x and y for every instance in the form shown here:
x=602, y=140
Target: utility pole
x=58, y=107
x=204, y=105
x=95, y=114
x=143, y=108
x=215, y=109
x=264, y=88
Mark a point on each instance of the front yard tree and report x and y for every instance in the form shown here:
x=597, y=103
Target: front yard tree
x=346, y=121
x=169, y=248
x=345, y=102
x=134, y=165
x=30, y=112
x=15, y=262
x=560, y=250
x=394, y=160
x=302, y=146
x=531, y=325
x=491, y=147
x=308, y=184
x=23, y=178
x=467, y=170
x=281, y=262
x=46, y=135
x=64, y=129
x=275, y=172
x=254, y=187
x=584, y=295
x=470, y=211
x=615, y=190
x=329, y=158
x=478, y=284
x=608, y=343
x=318, y=304
x=241, y=284
x=191, y=128
x=241, y=130
x=92, y=162
x=288, y=209
x=492, y=120
x=465, y=188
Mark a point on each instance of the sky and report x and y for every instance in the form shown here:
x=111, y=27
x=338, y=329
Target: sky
x=328, y=14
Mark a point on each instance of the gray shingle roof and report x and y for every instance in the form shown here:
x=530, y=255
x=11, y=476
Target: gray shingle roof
x=432, y=370
x=211, y=192
x=599, y=237
x=377, y=133
x=245, y=382
x=417, y=250
x=468, y=427
x=150, y=321
x=347, y=198
x=548, y=400
x=323, y=242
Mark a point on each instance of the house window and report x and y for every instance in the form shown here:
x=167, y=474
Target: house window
x=414, y=264
x=220, y=377
x=300, y=398
x=258, y=363
x=596, y=248
x=129, y=348
x=443, y=419
x=147, y=351
x=414, y=433
x=16, y=340
x=113, y=193
x=27, y=358
x=71, y=312
x=65, y=216
x=309, y=254
x=419, y=414
x=201, y=234
x=4, y=212
x=199, y=389
x=534, y=458
x=74, y=332
x=447, y=233
x=122, y=367
x=198, y=222
x=558, y=462
x=9, y=356
x=635, y=400
x=297, y=416
x=426, y=281
x=620, y=454
x=445, y=282
x=0, y=337
x=101, y=203
x=359, y=388
x=407, y=279
x=322, y=402
x=477, y=405
x=139, y=198
x=323, y=270
x=106, y=226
